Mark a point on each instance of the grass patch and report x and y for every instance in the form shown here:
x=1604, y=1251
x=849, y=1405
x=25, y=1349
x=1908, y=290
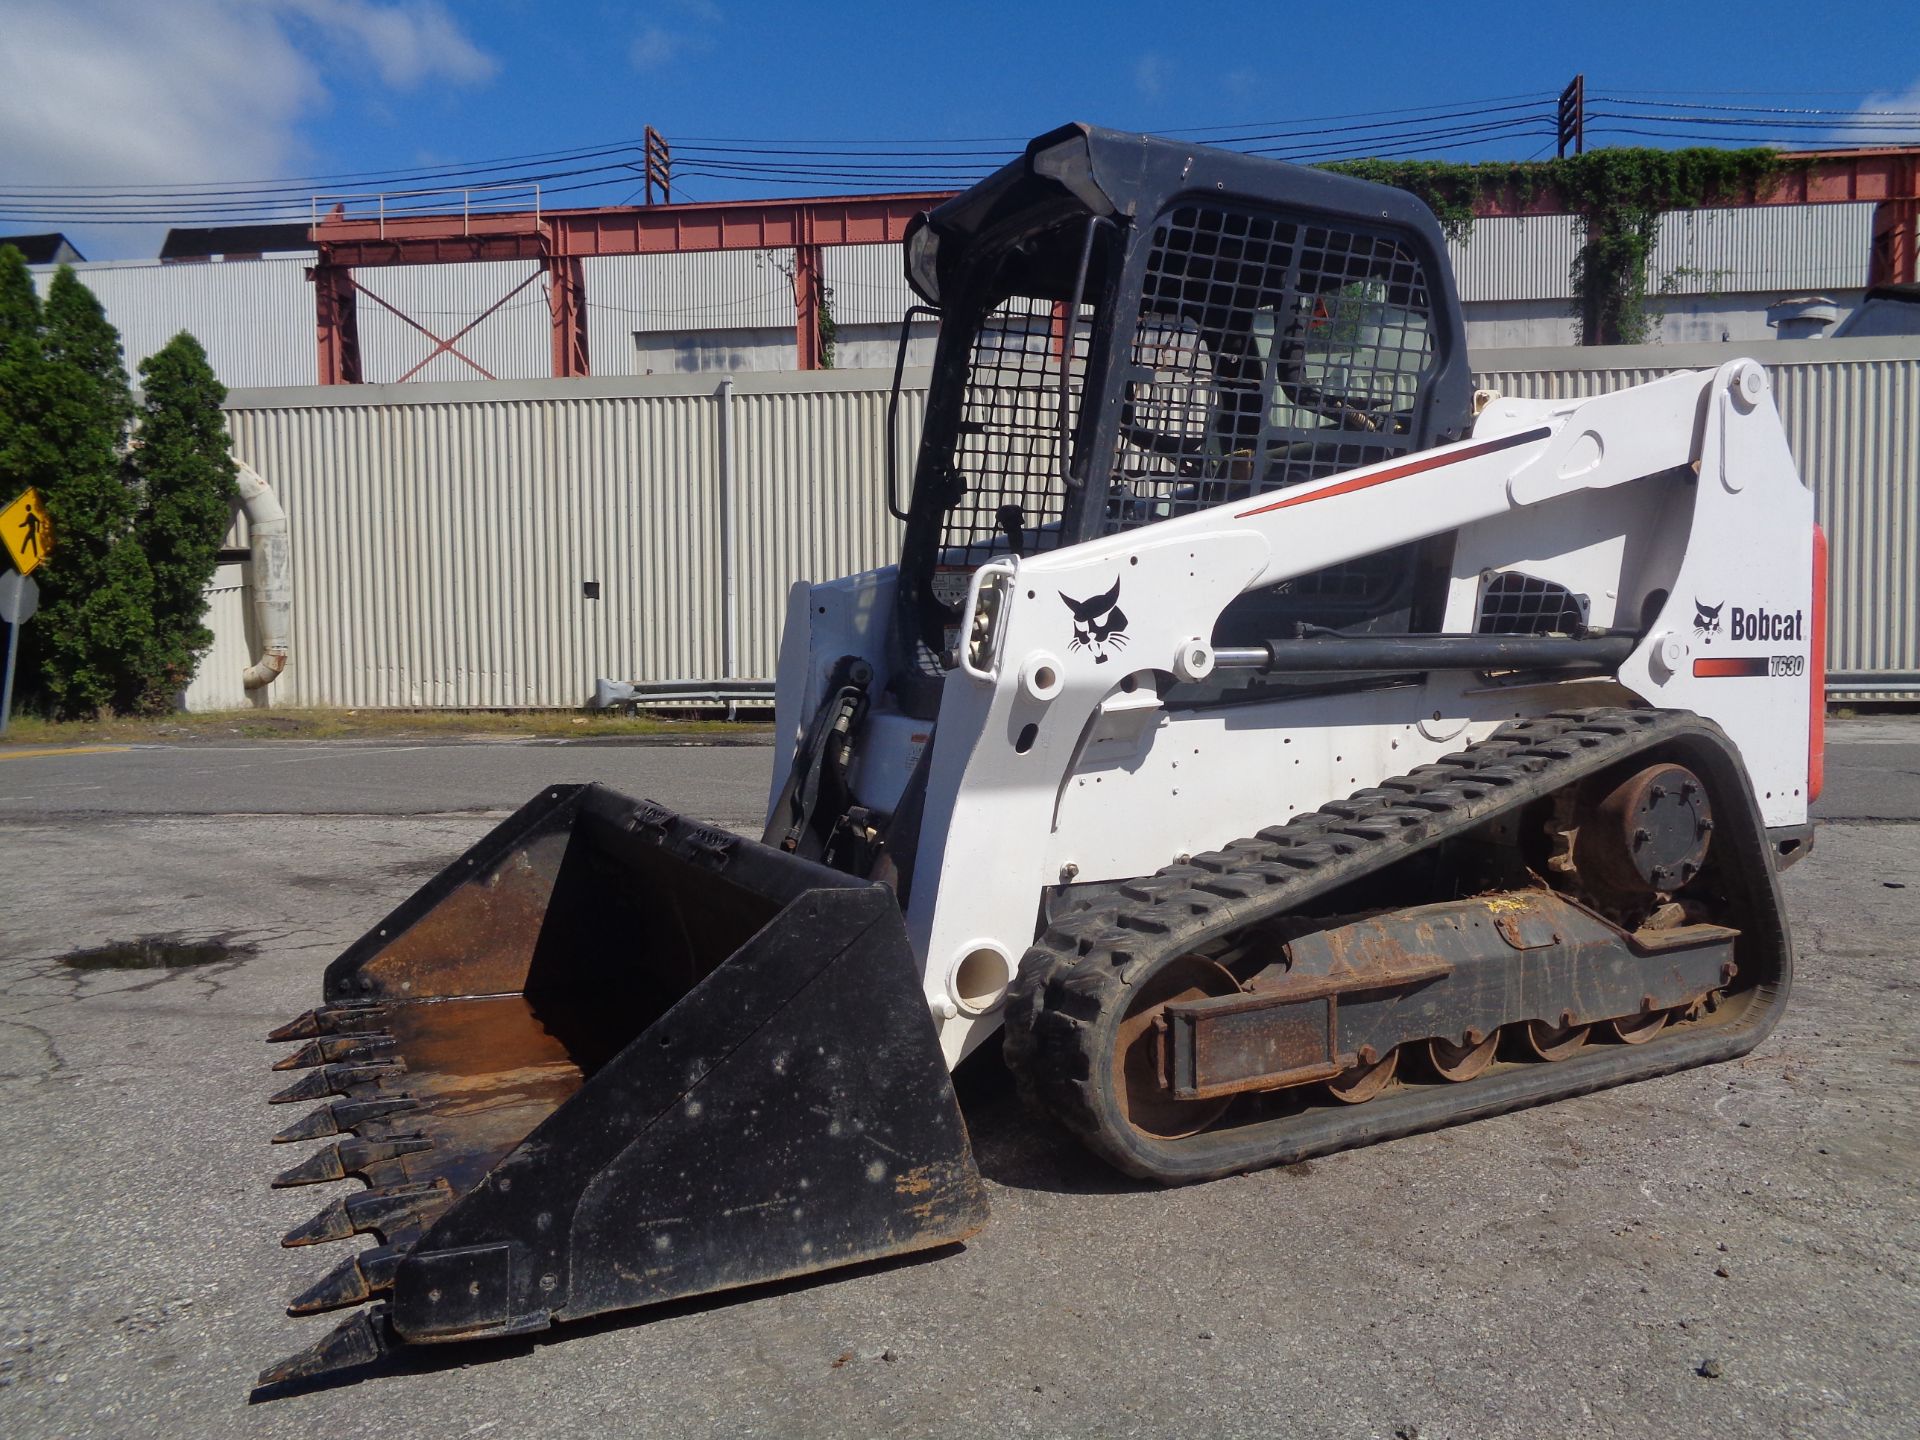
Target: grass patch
x=293, y=724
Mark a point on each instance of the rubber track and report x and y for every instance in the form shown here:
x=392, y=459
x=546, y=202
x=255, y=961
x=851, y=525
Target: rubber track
x=1077, y=977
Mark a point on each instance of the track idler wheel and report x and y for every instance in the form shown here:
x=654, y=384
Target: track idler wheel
x=1462, y=1062
x=1552, y=1042
x=1638, y=1029
x=1136, y=1065
x=1364, y=1081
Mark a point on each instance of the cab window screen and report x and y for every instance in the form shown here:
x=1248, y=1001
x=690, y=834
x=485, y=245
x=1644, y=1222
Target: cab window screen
x=1267, y=352
x=1006, y=452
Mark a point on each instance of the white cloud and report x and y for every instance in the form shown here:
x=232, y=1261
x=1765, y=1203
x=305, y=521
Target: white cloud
x=1899, y=131
x=408, y=42
x=131, y=92
x=653, y=47
x=1150, y=76
x=686, y=31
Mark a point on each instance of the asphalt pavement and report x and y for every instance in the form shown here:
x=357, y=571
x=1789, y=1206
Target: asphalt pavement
x=1873, y=773
x=726, y=784
x=1569, y=1270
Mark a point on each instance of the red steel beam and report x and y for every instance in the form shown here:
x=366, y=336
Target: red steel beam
x=336, y=324
x=809, y=284
x=1829, y=177
x=621, y=230
x=567, y=306
x=561, y=239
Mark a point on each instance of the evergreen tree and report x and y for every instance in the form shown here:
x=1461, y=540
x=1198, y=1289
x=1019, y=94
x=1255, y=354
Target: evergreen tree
x=79, y=333
x=88, y=489
x=19, y=302
x=89, y=645
x=19, y=370
x=187, y=479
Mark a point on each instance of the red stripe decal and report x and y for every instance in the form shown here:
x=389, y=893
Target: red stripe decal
x=1725, y=669
x=1429, y=461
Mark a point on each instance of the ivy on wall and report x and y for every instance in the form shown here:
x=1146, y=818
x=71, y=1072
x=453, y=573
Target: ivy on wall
x=1617, y=195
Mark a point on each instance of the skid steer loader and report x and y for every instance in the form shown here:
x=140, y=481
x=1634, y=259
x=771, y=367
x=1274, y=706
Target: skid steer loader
x=1285, y=746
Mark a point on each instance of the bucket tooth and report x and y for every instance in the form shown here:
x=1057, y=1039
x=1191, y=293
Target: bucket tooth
x=359, y=1277
x=341, y=1117
x=352, y=1114
x=318, y=1084
x=314, y=1125
x=316, y=1169
x=331, y=1223
x=358, y=1340
x=345, y=1284
x=382, y=1212
x=336, y=1050
x=345, y=1018
x=348, y=1157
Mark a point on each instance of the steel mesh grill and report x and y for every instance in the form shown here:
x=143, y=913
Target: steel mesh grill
x=1515, y=604
x=1007, y=450
x=1267, y=352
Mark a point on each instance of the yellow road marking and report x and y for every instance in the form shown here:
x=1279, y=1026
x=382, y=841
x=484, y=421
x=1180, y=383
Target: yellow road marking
x=63, y=750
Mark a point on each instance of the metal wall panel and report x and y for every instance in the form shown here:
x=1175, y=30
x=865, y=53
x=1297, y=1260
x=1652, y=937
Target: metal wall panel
x=1770, y=248
x=1524, y=258
x=664, y=295
x=254, y=318
x=811, y=487
x=512, y=343
x=869, y=284
x=442, y=533
x=1699, y=252
x=1851, y=410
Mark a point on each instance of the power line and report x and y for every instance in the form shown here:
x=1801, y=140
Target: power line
x=284, y=181
x=828, y=165
x=1750, y=109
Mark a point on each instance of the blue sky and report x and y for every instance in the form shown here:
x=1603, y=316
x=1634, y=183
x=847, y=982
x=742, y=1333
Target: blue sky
x=102, y=92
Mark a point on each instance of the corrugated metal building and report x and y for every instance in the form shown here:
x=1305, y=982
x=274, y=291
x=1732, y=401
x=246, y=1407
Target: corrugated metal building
x=1713, y=274
x=504, y=544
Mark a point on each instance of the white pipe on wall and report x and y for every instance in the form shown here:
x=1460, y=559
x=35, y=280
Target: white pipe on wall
x=272, y=576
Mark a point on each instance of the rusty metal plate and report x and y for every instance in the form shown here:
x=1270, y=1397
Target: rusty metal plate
x=1250, y=1042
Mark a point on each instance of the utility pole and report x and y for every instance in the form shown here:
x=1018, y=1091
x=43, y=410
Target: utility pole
x=658, y=163
x=1572, y=128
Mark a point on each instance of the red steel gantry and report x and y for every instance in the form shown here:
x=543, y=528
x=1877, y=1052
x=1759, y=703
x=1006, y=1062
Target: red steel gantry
x=561, y=239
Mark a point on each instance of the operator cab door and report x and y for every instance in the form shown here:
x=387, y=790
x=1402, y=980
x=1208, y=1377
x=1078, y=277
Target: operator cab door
x=1269, y=350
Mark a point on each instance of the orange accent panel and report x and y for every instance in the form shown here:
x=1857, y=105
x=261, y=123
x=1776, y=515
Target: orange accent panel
x=1730, y=668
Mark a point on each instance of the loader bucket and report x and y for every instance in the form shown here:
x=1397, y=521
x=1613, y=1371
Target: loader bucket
x=611, y=1057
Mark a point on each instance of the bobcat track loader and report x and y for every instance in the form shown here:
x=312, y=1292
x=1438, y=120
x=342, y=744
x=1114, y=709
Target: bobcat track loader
x=1285, y=747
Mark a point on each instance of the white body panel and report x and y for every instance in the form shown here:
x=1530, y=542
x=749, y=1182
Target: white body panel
x=1055, y=760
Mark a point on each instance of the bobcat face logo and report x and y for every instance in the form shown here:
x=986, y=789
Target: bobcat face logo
x=1706, y=620
x=1098, y=623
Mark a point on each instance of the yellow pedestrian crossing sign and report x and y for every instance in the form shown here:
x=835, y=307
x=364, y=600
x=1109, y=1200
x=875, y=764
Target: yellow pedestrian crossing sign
x=27, y=531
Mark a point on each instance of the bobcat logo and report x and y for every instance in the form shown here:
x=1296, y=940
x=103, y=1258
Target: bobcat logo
x=1706, y=620
x=1098, y=623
